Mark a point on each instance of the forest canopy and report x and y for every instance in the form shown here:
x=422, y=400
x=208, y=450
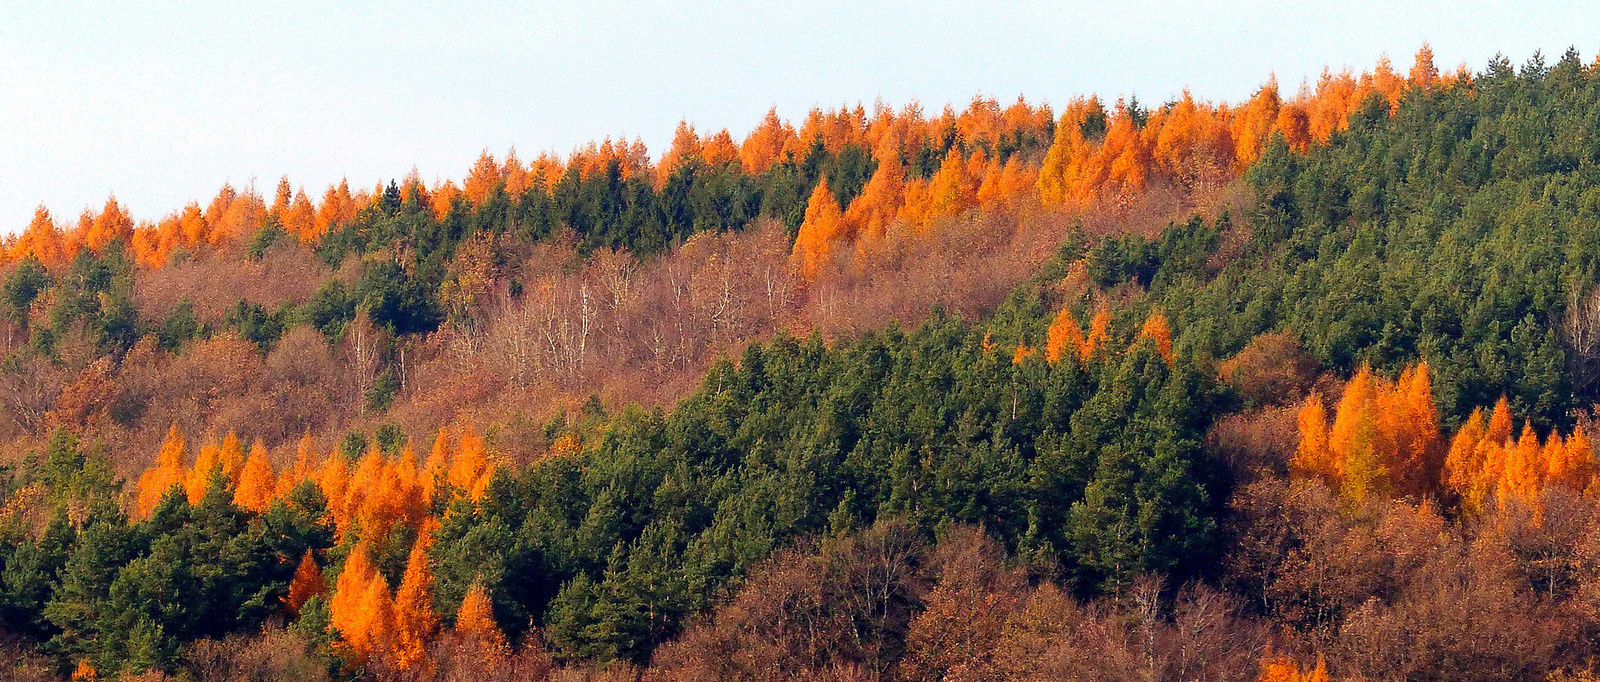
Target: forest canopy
x=1297, y=388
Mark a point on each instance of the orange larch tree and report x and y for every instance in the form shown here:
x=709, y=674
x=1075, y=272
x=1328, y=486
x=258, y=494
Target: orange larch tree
x=880, y=200
x=414, y=620
x=111, y=225
x=1573, y=466
x=822, y=227
x=483, y=178
x=303, y=468
x=1410, y=413
x=765, y=145
x=1424, y=75
x=42, y=240
x=1156, y=329
x=207, y=464
x=1099, y=334
x=1352, y=442
x=1312, y=458
x=257, y=482
x=475, y=619
x=1384, y=438
x=344, y=606
x=1064, y=339
x=1253, y=124
x=374, y=625
x=470, y=466
x=437, y=466
x=1295, y=124
x=686, y=148
x=307, y=583
x=1464, y=461
x=167, y=473
x=334, y=479
x=1285, y=669
x=951, y=191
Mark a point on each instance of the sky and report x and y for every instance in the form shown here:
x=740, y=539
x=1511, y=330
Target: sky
x=160, y=103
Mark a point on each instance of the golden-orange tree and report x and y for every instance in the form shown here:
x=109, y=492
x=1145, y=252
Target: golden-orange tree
x=1385, y=439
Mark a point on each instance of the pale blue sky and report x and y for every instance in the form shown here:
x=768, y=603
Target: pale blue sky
x=163, y=102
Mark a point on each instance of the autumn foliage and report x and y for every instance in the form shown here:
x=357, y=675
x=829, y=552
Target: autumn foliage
x=1384, y=440
x=1488, y=462
x=1285, y=669
x=307, y=583
x=367, y=499
x=1096, y=153
x=375, y=493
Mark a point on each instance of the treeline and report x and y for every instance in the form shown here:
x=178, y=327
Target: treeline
x=905, y=166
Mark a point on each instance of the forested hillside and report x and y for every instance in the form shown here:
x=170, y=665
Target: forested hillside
x=1299, y=388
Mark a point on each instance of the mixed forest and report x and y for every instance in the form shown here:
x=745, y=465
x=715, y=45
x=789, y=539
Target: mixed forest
x=1301, y=388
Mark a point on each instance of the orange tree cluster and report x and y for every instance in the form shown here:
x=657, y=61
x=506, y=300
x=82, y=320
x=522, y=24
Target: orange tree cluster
x=1385, y=439
x=392, y=628
x=1487, y=464
x=1065, y=339
x=873, y=168
x=374, y=493
x=368, y=499
x=1099, y=155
